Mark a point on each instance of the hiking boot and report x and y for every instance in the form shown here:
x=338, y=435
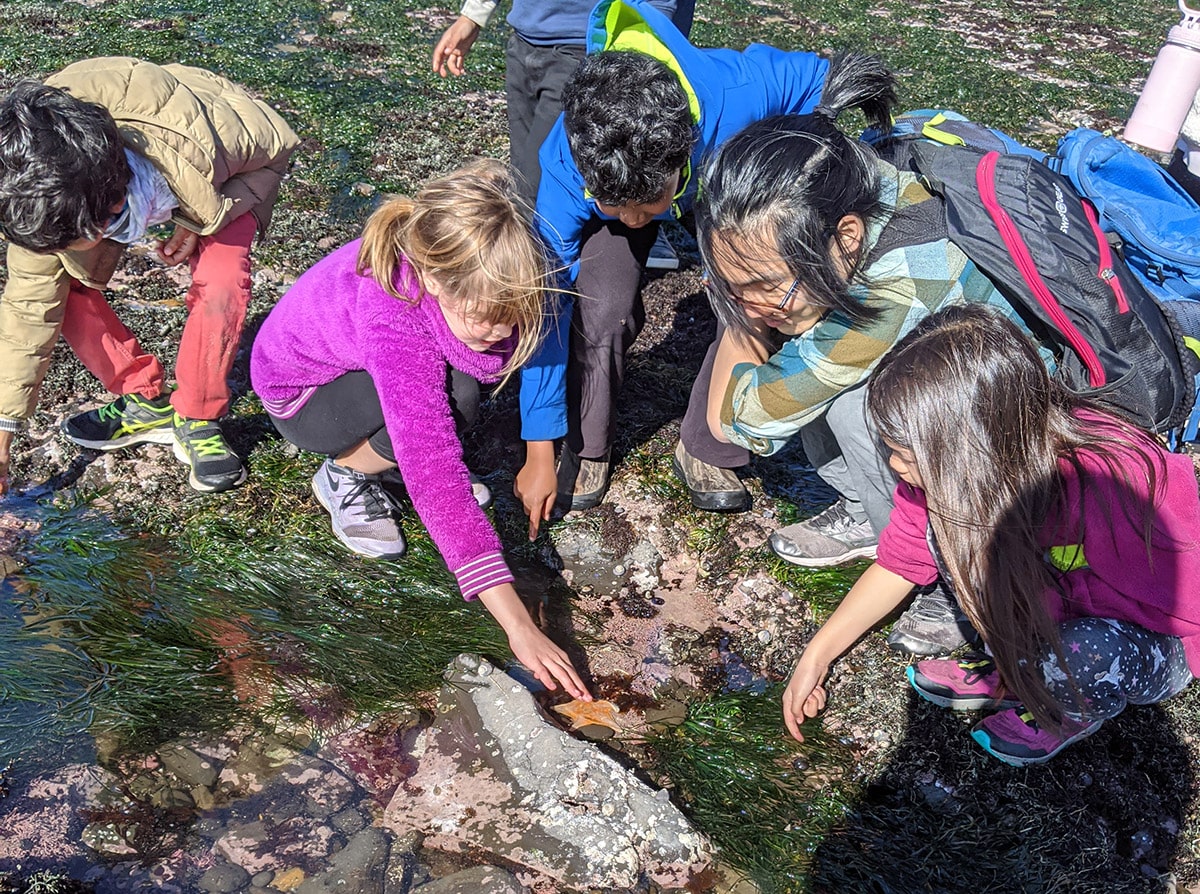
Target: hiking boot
x=932, y=625
x=1013, y=736
x=361, y=511
x=128, y=420
x=829, y=538
x=200, y=445
x=582, y=482
x=712, y=488
x=968, y=684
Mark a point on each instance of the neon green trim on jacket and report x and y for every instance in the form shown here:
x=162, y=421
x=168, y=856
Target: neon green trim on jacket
x=1067, y=558
x=625, y=29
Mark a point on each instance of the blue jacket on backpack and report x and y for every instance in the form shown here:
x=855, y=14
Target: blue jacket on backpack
x=728, y=90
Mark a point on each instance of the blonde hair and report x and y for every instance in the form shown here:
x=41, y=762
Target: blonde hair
x=471, y=230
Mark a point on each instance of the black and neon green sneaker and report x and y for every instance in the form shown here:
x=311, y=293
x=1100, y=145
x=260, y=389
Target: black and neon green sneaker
x=128, y=420
x=200, y=445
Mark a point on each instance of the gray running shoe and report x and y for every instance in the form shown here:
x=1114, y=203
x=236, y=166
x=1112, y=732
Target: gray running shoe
x=361, y=511
x=933, y=625
x=832, y=537
x=662, y=255
x=200, y=445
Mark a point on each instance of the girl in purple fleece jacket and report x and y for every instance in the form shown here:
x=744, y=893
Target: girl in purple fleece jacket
x=374, y=358
x=1071, y=538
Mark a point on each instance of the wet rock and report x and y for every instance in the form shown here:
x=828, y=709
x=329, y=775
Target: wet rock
x=106, y=838
x=496, y=776
x=348, y=821
x=356, y=869
x=262, y=879
x=289, y=879
x=224, y=879
x=188, y=766
x=404, y=872
x=476, y=880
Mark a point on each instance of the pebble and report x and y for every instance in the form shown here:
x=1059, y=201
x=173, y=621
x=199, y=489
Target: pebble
x=618, y=570
x=764, y=636
x=224, y=879
x=262, y=879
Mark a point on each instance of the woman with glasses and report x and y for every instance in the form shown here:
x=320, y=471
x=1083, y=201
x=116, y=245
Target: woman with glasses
x=816, y=268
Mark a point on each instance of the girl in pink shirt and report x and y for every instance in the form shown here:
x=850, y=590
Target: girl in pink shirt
x=1071, y=540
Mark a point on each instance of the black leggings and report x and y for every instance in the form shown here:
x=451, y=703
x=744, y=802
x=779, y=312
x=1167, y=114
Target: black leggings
x=341, y=415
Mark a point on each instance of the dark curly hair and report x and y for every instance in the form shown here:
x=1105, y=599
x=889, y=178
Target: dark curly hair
x=62, y=167
x=629, y=125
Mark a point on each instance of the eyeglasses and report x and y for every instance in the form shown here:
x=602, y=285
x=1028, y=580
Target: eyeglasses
x=772, y=309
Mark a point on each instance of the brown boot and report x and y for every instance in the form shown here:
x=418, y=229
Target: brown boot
x=712, y=488
x=582, y=483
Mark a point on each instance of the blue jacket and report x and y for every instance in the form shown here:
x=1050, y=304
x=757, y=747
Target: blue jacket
x=728, y=89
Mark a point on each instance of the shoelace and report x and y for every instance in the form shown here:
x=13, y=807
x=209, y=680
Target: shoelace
x=834, y=519
x=112, y=410
x=213, y=445
x=932, y=607
x=973, y=671
x=377, y=502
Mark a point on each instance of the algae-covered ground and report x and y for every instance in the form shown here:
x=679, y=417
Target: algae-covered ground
x=152, y=611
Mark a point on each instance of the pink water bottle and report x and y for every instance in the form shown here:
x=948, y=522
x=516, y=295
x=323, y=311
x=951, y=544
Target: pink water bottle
x=1174, y=80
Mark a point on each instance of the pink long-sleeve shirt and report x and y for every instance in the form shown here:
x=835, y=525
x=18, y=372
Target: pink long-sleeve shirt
x=334, y=321
x=1157, y=588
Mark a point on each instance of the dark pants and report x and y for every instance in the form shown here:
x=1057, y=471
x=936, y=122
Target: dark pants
x=533, y=81
x=346, y=412
x=1115, y=663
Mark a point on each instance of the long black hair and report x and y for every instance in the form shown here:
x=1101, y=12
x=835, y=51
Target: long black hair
x=788, y=180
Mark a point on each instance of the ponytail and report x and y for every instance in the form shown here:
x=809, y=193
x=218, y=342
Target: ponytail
x=382, y=237
x=859, y=80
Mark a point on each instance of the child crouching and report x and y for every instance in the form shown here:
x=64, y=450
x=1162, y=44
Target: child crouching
x=1071, y=540
x=374, y=357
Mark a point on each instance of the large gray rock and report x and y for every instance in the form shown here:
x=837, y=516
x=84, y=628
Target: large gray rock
x=496, y=776
x=356, y=869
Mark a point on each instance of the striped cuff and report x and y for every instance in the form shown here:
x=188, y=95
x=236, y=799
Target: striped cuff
x=488, y=570
x=13, y=425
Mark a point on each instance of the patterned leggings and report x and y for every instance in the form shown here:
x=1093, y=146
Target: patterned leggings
x=1114, y=663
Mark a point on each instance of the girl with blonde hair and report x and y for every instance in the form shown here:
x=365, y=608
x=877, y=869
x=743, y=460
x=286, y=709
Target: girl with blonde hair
x=374, y=358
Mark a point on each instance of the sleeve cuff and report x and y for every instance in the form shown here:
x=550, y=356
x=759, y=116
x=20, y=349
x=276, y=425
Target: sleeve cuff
x=478, y=11
x=12, y=425
x=482, y=572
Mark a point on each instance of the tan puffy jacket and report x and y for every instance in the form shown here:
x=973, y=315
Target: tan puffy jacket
x=223, y=153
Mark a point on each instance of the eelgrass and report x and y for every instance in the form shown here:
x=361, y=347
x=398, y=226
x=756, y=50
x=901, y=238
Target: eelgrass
x=766, y=800
x=139, y=636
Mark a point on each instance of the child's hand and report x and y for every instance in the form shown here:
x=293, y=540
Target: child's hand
x=536, y=485
x=451, y=51
x=179, y=247
x=804, y=696
x=548, y=662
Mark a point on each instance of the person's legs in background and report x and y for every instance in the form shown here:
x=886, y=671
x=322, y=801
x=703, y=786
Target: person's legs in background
x=216, y=302
x=104, y=345
x=608, y=317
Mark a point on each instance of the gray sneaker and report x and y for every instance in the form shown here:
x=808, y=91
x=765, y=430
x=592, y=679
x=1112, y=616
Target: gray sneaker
x=933, y=625
x=361, y=511
x=832, y=537
x=662, y=255
x=711, y=488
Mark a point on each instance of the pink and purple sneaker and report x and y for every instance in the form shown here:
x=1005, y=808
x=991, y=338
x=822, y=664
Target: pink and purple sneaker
x=964, y=684
x=1015, y=738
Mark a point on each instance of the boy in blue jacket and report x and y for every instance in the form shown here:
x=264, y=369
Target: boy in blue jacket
x=640, y=113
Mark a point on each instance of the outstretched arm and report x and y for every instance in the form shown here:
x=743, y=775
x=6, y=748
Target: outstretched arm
x=450, y=53
x=533, y=648
x=877, y=593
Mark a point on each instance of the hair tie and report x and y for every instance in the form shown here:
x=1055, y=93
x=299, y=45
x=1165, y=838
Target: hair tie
x=824, y=111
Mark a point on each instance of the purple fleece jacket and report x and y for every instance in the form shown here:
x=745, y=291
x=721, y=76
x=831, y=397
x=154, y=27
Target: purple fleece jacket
x=1116, y=576
x=333, y=321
